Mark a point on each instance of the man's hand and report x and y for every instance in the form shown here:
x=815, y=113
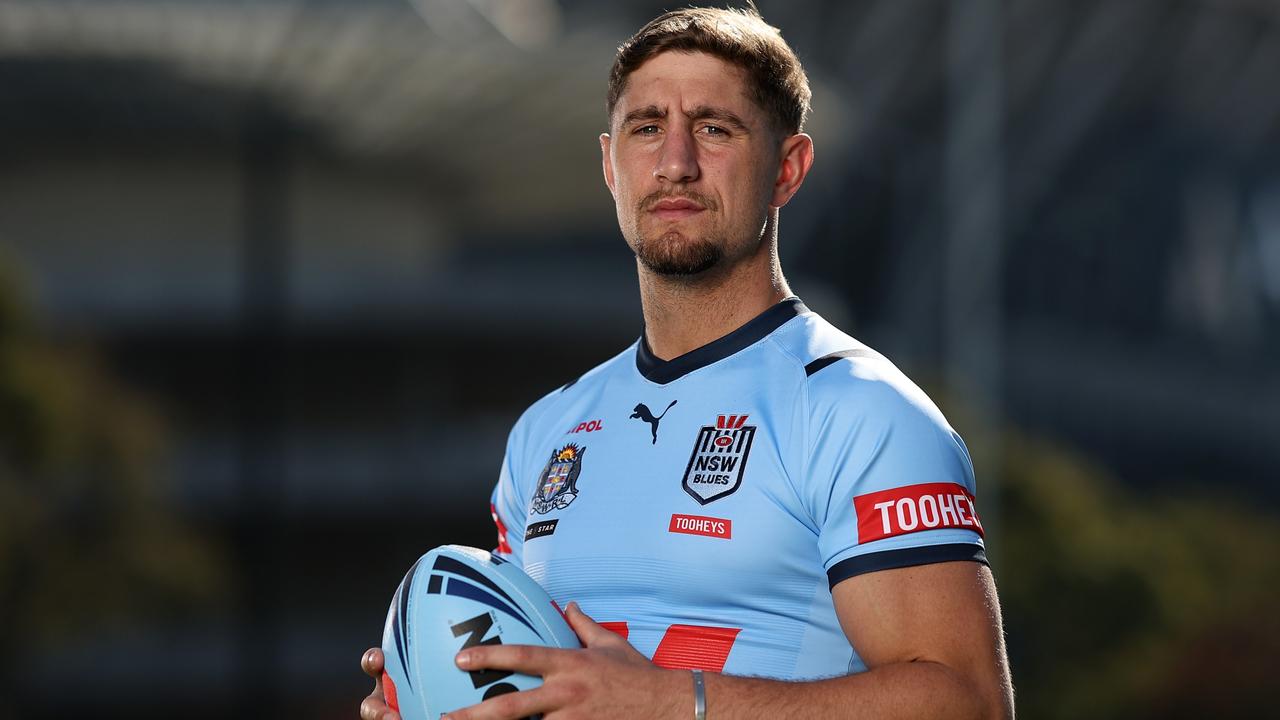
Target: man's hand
x=375, y=707
x=607, y=678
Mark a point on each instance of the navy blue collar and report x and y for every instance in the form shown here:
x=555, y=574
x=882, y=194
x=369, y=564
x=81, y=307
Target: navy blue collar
x=665, y=371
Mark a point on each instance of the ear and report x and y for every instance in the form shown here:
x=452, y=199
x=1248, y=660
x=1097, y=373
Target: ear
x=606, y=143
x=793, y=166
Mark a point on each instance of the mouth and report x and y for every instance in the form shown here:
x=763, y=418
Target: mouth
x=676, y=208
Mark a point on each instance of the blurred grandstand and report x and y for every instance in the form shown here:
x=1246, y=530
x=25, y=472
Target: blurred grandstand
x=336, y=246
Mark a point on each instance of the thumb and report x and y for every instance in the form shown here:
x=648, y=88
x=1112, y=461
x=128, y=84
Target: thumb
x=372, y=662
x=591, y=633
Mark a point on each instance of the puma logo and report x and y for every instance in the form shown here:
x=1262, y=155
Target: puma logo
x=642, y=412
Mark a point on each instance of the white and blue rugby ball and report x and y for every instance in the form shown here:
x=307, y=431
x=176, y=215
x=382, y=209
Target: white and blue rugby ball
x=452, y=598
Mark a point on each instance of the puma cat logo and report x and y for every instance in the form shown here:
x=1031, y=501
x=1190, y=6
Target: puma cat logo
x=642, y=412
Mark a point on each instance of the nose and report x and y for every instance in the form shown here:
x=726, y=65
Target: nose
x=678, y=160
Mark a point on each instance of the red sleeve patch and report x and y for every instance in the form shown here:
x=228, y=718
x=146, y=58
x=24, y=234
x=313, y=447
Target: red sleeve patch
x=915, y=508
x=503, y=546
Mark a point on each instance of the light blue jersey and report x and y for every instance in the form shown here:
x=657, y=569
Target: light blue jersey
x=704, y=507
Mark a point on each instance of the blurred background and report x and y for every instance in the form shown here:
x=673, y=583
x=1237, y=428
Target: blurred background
x=277, y=276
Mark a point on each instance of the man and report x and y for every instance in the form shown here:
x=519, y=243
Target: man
x=746, y=491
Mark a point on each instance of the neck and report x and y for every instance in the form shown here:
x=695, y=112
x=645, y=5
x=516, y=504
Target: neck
x=683, y=314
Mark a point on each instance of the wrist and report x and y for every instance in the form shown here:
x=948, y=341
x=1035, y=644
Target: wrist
x=677, y=696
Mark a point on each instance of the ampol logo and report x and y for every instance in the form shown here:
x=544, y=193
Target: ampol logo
x=588, y=426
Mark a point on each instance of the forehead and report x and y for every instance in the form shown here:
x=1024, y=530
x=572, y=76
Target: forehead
x=687, y=79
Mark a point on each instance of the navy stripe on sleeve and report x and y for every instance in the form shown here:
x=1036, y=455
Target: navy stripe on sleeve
x=831, y=359
x=905, y=557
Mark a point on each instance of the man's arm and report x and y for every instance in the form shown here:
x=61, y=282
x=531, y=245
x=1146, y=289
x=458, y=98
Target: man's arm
x=930, y=635
x=932, y=641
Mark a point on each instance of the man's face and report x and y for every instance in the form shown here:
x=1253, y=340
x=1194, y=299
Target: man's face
x=691, y=162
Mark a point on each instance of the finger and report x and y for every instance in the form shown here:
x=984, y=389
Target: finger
x=528, y=659
x=591, y=633
x=576, y=609
x=373, y=708
x=510, y=706
x=372, y=662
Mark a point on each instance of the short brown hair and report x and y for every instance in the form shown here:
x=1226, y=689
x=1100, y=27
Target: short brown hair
x=739, y=37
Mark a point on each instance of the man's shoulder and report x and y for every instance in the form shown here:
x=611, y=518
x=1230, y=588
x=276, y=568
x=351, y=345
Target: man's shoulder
x=618, y=363
x=814, y=345
x=584, y=383
x=846, y=376
x=864, y=411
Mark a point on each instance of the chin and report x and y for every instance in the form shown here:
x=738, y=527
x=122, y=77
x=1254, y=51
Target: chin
x=676, y=271
x=678, y=258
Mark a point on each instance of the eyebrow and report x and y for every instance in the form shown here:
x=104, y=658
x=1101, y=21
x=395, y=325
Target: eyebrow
x=700, y=112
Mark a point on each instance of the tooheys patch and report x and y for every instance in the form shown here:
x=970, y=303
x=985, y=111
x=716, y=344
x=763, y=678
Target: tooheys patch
x=915, y=508
x=719, y=459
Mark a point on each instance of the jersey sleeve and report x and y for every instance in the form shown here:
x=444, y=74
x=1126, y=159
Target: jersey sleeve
x=889, y=483
x=509, y=501
x=507, y=506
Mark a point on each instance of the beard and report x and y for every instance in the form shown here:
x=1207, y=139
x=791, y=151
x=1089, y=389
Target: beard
x=673, y=254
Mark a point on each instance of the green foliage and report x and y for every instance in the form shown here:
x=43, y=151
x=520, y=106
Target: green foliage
x=1133, y=605
x=86, y=540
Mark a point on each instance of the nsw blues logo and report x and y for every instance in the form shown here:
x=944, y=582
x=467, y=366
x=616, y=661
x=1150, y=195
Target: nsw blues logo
x=719, y=458
x=558, y=485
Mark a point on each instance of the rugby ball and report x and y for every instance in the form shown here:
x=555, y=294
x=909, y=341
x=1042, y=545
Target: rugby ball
x=452, y=598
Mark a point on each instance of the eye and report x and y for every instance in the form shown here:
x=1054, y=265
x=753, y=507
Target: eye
x=647, y=130
x=714, y=130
